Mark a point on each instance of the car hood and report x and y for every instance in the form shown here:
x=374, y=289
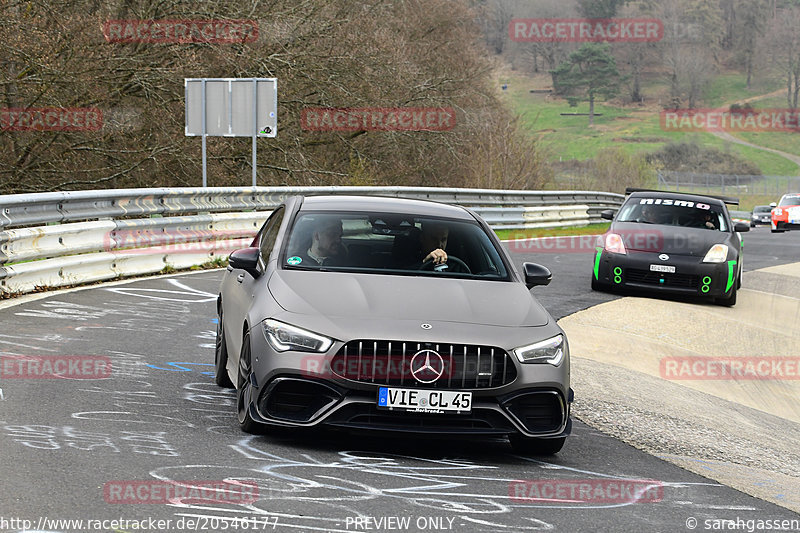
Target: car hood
x=420, y=298
x=677, y=240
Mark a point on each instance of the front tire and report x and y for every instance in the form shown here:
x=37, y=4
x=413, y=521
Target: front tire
x=221, y=376
x=535, y=446
x=244, y=390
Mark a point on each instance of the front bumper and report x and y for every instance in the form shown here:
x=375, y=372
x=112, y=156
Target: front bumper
x=288, y=391
x=784, y=225
x=691, y=276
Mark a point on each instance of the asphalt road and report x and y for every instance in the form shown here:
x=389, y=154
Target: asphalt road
x=68, y=444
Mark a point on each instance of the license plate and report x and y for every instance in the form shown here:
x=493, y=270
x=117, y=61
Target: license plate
x=662, y=268
x=424, y=401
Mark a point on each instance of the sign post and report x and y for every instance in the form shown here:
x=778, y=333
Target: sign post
x=231, y=107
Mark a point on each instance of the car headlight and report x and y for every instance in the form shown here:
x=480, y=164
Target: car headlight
x=614, y=244
x=717, y=254
x=550, y=351
x=284, y=337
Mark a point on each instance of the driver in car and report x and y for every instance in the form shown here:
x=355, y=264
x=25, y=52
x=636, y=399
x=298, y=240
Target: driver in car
x=422, y=245
x=708, y=221
x=433, y=239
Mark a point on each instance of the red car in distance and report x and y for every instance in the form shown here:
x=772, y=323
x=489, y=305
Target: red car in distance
x=786, y=215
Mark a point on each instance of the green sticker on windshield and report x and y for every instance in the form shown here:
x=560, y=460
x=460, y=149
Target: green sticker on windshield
x=294, y=260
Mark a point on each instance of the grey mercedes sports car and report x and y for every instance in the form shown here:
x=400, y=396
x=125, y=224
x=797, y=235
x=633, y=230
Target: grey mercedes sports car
x=390, y=314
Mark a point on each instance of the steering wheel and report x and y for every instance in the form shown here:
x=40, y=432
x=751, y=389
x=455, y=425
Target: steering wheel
x=428, y=265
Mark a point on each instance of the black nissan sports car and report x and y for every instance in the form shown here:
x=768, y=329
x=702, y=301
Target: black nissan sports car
x=671, y=242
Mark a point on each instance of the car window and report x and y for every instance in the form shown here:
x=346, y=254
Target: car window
x=270, y=232
x=381, y=243
x=793, y=199
x=762, y=209
x=673, y=212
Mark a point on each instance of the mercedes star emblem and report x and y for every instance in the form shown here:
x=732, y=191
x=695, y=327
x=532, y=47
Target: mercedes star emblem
x=427, y=366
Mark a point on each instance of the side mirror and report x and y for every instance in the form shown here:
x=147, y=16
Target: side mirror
x=245, y=259
x=741, y=227
x=607, y=214
x=773, y=204
x=536, y=274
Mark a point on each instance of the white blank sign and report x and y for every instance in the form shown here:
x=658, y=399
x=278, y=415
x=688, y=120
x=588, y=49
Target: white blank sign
x=235, y=107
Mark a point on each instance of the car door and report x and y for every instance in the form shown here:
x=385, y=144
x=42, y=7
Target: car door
x=240, y=287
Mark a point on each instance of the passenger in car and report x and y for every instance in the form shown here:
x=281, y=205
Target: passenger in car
x=326, y=243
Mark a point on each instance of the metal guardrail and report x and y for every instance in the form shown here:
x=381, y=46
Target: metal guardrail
x=66, y=238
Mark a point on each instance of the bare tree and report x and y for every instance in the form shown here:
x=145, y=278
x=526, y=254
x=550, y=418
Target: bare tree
x=750, y=25
x=782, y=44
x=336, y=53
x=689, y=61
x=545, y=55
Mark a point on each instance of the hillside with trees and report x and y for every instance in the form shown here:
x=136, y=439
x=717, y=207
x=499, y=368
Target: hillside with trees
x=324, y=53
x=713, y=54
x=387, y=54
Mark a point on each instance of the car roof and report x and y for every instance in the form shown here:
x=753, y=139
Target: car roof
x=678, y=196
x=384, y=204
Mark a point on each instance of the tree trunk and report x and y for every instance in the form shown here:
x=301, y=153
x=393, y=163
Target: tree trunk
x=636, y=93
x=591, y=109
x=749, y=71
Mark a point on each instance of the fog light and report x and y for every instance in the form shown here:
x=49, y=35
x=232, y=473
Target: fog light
x=706, y=284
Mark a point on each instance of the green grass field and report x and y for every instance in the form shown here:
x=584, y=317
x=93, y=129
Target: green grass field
x=506, y=234
x=727, y=88
x=637, y=129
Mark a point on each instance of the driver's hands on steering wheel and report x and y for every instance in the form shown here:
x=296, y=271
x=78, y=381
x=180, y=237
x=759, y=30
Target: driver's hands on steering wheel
x=438, y=256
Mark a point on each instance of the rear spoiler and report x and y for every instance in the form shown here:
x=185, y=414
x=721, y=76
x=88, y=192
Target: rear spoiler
x=726, y=199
